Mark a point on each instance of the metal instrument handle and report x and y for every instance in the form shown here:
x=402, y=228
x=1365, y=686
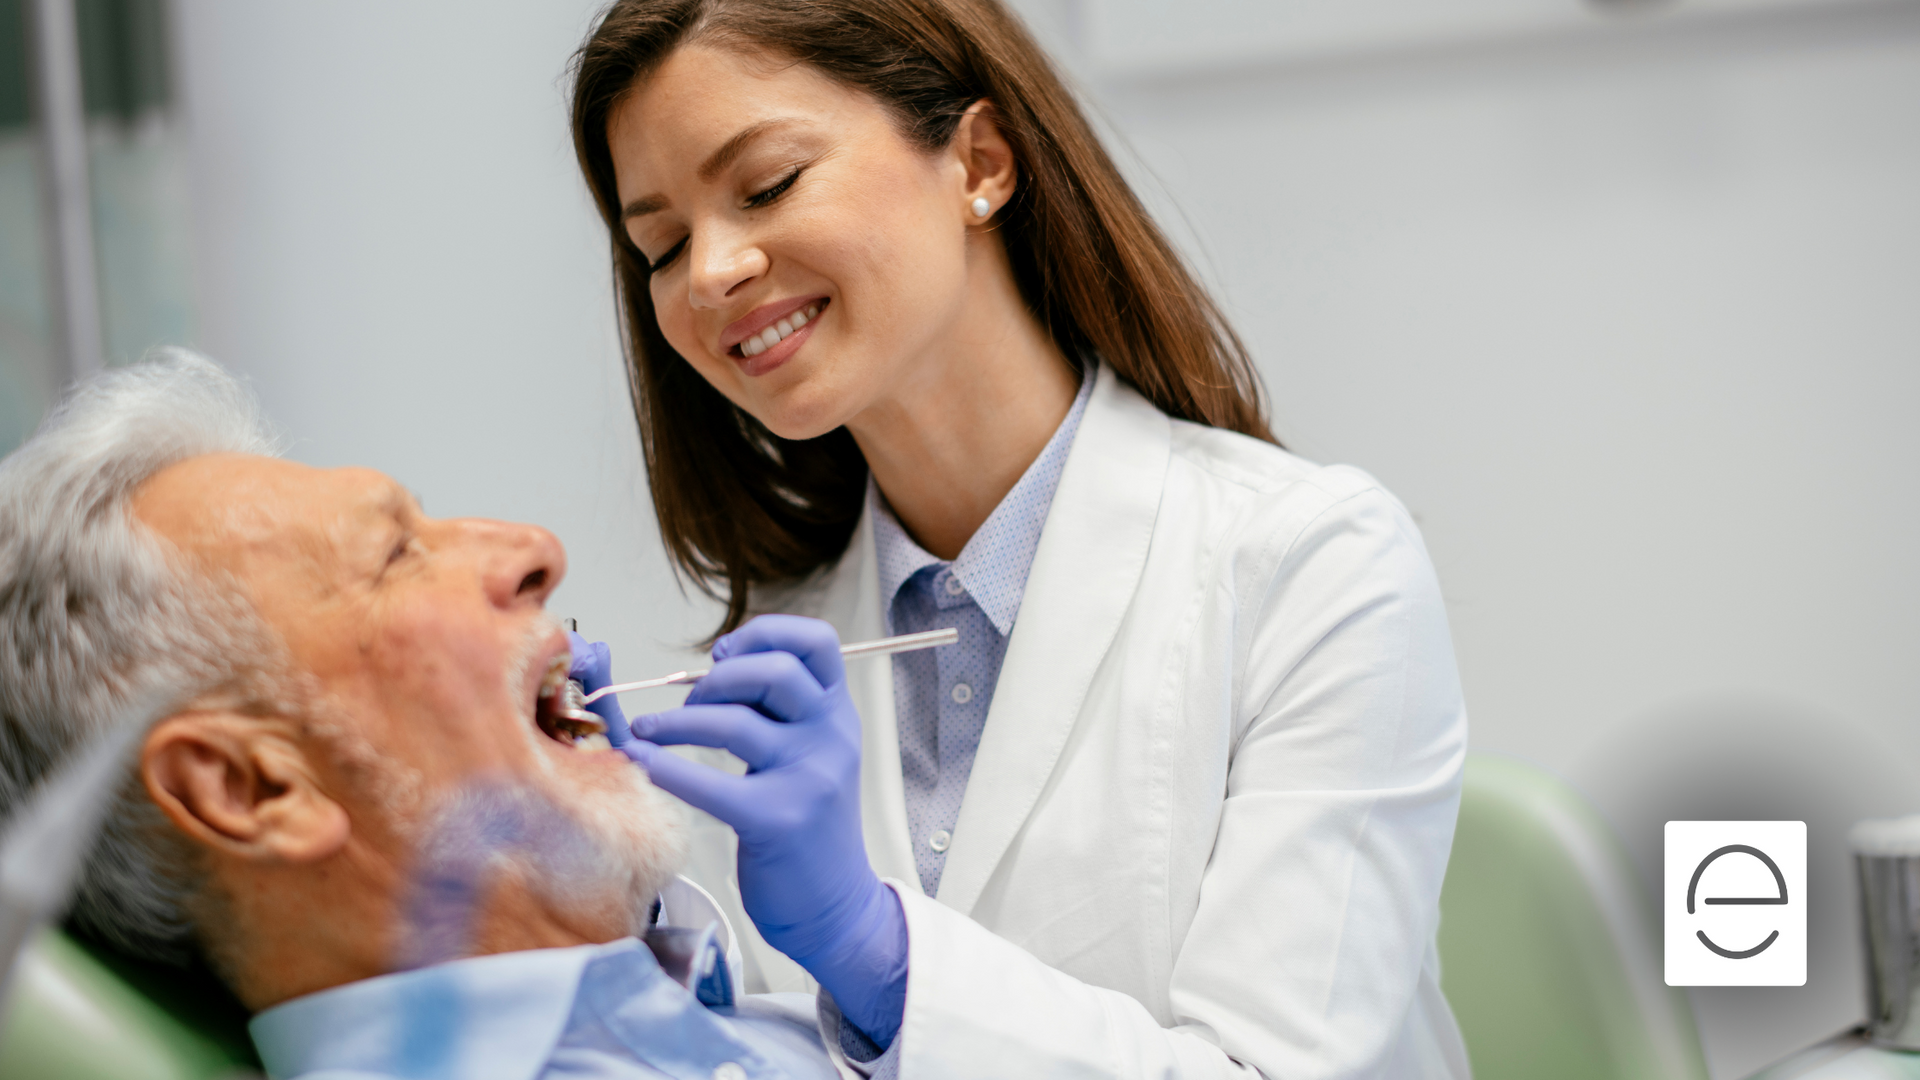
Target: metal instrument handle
x=878, y=647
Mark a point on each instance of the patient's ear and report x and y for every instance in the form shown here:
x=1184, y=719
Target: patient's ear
x=236, y=784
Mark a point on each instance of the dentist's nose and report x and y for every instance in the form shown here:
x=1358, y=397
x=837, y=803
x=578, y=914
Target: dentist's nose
x=722, y=263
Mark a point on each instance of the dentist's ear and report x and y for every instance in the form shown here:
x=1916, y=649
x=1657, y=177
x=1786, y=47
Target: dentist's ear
x=986, y=161
x=240, y=786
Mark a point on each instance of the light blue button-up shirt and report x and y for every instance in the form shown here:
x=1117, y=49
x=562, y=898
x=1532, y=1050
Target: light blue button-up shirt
x=941, y=695
x=605, y=1012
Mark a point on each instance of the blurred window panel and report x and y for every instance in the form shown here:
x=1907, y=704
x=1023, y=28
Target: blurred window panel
x=28, y=368
x=137, y=171
x=138, y=168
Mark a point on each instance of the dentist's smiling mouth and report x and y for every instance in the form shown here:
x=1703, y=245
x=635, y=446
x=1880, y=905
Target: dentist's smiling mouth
x=771, y=334
x=779, y=331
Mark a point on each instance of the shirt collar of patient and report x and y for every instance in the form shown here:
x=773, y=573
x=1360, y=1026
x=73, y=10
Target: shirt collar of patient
x=494, y=1018
x=487, y=1018
x=993, y=565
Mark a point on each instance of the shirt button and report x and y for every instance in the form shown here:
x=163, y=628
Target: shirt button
x=954, y=588
x=940, y=841
x=962, y=693
x=729, y=1070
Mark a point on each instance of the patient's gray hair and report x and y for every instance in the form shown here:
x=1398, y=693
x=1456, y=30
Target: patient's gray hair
x=95, y=610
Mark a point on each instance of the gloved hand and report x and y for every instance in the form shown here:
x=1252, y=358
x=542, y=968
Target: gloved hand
x=777, y=699
x=592, y=667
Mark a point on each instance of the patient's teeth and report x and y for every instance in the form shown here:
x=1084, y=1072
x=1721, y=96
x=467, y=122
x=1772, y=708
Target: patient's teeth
x=799, y=319
x=751, y=347
x=555, y=677
x=784, y=327
x=592, y=742
x=769, y=338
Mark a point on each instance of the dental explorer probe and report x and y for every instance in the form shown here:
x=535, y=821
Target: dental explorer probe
x=878, y=647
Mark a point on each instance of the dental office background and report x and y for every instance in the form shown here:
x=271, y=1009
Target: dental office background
x=1623, y=299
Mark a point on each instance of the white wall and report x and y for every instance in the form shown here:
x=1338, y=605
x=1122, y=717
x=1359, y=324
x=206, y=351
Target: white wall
x=395, y=245
x=1626, y=316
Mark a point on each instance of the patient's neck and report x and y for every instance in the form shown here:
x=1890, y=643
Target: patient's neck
x=298, y=930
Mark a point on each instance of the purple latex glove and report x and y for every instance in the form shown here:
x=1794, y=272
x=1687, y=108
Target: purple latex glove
x=592, y=668
x=777, y=699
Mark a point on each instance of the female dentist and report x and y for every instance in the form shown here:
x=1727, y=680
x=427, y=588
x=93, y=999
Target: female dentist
x=906, y=353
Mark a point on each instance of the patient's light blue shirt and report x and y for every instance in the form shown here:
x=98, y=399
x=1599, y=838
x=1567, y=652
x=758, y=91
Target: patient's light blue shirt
x=605, y=1012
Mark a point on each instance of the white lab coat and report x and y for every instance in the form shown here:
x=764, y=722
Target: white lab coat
x=1211, y=809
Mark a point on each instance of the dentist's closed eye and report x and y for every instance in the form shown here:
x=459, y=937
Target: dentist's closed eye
x=672, y=253
x=754, y=202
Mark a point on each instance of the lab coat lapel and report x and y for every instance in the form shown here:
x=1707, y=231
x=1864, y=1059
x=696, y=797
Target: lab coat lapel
x=851, y=602
x=1092, y=552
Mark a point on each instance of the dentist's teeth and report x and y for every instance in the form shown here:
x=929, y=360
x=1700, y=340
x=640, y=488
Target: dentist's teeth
x=779, y=331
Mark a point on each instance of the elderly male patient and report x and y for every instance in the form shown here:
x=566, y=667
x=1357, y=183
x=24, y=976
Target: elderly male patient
x=357, y=806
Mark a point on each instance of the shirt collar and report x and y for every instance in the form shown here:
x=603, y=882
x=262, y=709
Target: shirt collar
x=899, y=557
x=485, y=1018
x=993, y=566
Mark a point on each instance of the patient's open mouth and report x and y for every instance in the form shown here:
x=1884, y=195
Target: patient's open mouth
x=559, y=715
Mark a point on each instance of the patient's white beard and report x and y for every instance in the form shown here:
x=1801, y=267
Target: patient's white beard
x=631, y=841
x=590, y=856
x=583, y=853
x=635, y=834
x=586, y=849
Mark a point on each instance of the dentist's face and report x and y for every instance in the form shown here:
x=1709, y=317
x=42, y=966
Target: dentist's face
x=807, y=257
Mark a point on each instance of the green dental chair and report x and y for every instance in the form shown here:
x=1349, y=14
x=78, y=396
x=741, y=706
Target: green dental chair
x=81, y=1013
x=1549, y=954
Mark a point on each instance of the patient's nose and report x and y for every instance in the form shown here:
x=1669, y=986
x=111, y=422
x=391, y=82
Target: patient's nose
x=523, y=563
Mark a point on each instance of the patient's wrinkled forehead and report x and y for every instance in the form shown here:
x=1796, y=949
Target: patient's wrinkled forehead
x=276, y=525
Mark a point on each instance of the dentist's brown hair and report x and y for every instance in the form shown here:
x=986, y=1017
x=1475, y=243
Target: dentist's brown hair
x=739, y=506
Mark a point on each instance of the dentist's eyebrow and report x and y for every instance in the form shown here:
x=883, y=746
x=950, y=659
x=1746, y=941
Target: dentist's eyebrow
x=729, y=152
x=733, y=147
x=652, y=204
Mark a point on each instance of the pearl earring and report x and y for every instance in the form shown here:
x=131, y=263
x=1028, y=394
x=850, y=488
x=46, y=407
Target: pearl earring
x=980, y=207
